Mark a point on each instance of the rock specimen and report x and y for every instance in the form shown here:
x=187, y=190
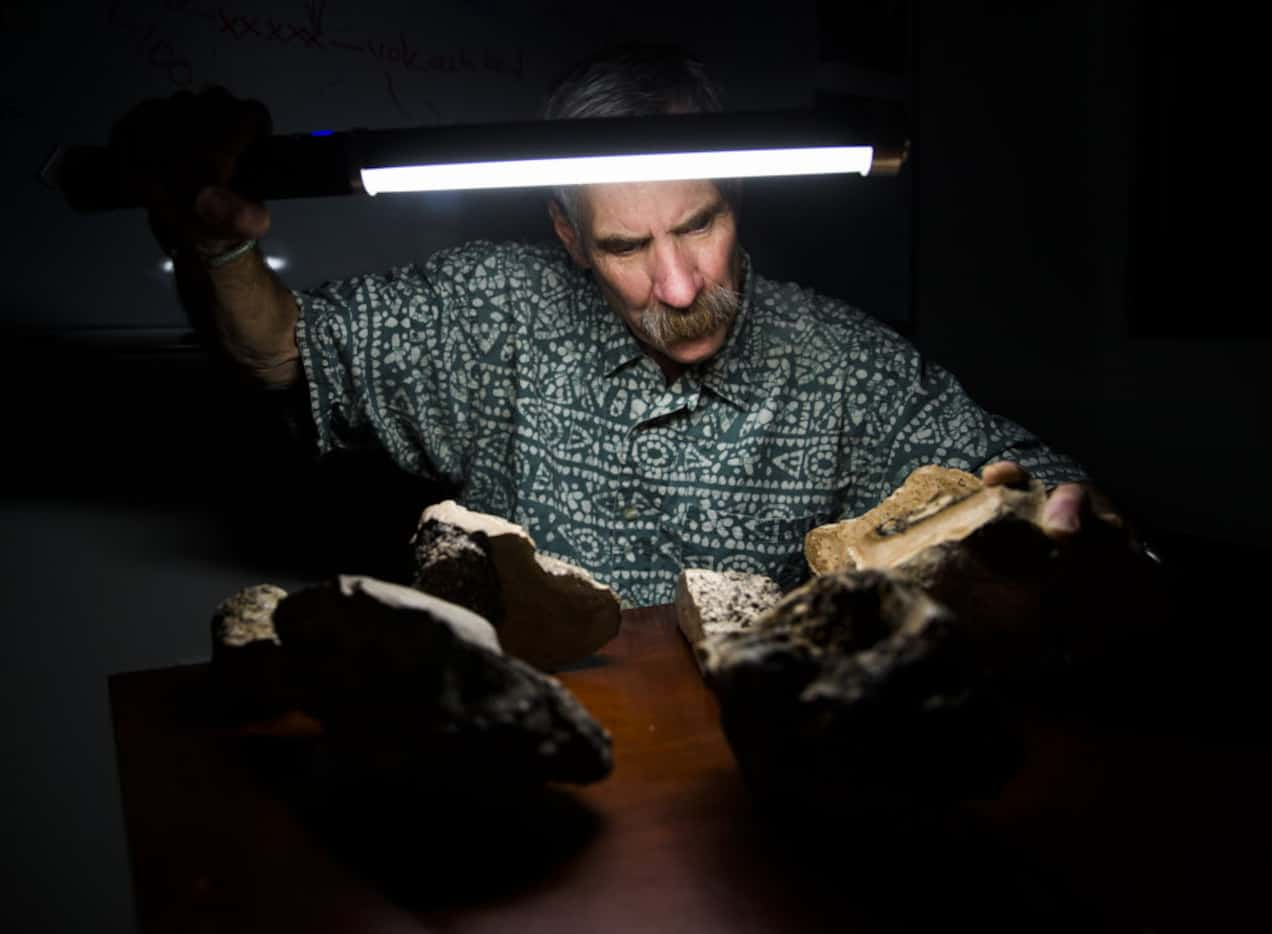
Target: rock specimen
x=710, y=603
x=856, y=692
x=936, y=618
x=247, y=660
x=1027, y=602
x=553, y=613
x=979, y=550
x=935, y=504
x=457, y=565
x=405, y=683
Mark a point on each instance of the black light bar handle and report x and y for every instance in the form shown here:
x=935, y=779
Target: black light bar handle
x=92, y=179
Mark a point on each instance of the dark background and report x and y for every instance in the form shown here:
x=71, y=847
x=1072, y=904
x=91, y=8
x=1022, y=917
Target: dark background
x=1070, y=239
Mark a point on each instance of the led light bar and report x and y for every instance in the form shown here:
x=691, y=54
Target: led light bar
x=591, y=170
x=520, y=155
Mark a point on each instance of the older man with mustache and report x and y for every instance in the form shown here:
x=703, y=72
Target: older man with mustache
x=636, y=394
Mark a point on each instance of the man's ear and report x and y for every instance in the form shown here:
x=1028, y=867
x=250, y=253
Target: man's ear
x=566, y=233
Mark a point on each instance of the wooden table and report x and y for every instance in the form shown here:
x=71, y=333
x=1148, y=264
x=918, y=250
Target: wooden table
x=1101, y=830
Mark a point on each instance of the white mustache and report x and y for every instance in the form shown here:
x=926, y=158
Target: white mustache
x=714, y=306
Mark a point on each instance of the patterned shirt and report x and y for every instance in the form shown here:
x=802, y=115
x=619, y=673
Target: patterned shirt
x=500, y=369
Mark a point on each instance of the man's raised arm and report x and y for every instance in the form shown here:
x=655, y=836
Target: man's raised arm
x=181, y=153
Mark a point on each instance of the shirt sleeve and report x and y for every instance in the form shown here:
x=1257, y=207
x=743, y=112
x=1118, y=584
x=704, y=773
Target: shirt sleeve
x=928, y=418
x=390, y=360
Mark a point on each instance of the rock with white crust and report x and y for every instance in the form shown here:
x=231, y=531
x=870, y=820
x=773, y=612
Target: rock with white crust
x=553, y=613
x=710, y=603
x=405, y=683
x=458, y=565
x=247, y=661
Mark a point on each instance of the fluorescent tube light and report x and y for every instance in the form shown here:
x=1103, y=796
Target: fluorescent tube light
x=521, y=155
x=591, y=170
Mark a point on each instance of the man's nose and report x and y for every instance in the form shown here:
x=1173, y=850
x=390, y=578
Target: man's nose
x=675, y=276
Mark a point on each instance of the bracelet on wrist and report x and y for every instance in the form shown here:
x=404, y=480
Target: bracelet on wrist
x=210, y=260
x=230, y=255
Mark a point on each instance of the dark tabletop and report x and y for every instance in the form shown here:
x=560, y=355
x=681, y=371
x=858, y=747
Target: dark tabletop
x=1107, y=826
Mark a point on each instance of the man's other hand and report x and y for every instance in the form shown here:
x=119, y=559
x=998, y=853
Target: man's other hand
x=1069, y=505
x=180, y=154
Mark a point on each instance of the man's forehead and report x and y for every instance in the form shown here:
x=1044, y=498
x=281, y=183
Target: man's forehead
x=641, y=208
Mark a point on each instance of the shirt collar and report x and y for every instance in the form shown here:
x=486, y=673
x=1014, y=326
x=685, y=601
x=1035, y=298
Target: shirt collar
x=618, y=347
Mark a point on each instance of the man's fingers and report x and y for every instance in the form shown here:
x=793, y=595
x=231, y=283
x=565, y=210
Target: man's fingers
x=1061, y=516
x=227, y=215
x=1068, y=505
x=232, y=127
x=1103, y=509
x=181, y=153
x=1004, y=473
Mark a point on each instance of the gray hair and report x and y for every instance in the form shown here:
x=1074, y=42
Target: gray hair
x=631, y=80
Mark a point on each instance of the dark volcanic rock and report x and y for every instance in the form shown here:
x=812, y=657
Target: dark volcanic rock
x=458, y=565
x=405, y=683
x=857, y=691
x=554, y=613
x=1046, y=616
x=906, y=674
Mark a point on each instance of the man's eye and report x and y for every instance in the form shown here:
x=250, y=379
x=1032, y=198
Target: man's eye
x=702, y=224
x=623, y=249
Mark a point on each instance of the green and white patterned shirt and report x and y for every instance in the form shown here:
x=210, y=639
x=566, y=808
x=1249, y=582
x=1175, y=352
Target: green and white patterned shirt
x=500, y=369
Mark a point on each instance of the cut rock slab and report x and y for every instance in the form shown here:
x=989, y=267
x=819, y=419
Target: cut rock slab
x=553, y=612
x=935, y=504
x=711, y=603
x=405, y=684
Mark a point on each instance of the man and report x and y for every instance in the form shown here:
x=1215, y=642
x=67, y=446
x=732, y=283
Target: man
x=636, y=395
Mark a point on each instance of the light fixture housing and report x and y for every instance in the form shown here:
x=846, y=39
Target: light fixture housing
x=517, y=155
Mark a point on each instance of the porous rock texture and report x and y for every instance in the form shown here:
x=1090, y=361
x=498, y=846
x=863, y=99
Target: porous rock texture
x=247, y=659
x=409, y=685
x=457, y=565
x=710, y=603
x=856, y=691
x=934, y=621
x=553, y=612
